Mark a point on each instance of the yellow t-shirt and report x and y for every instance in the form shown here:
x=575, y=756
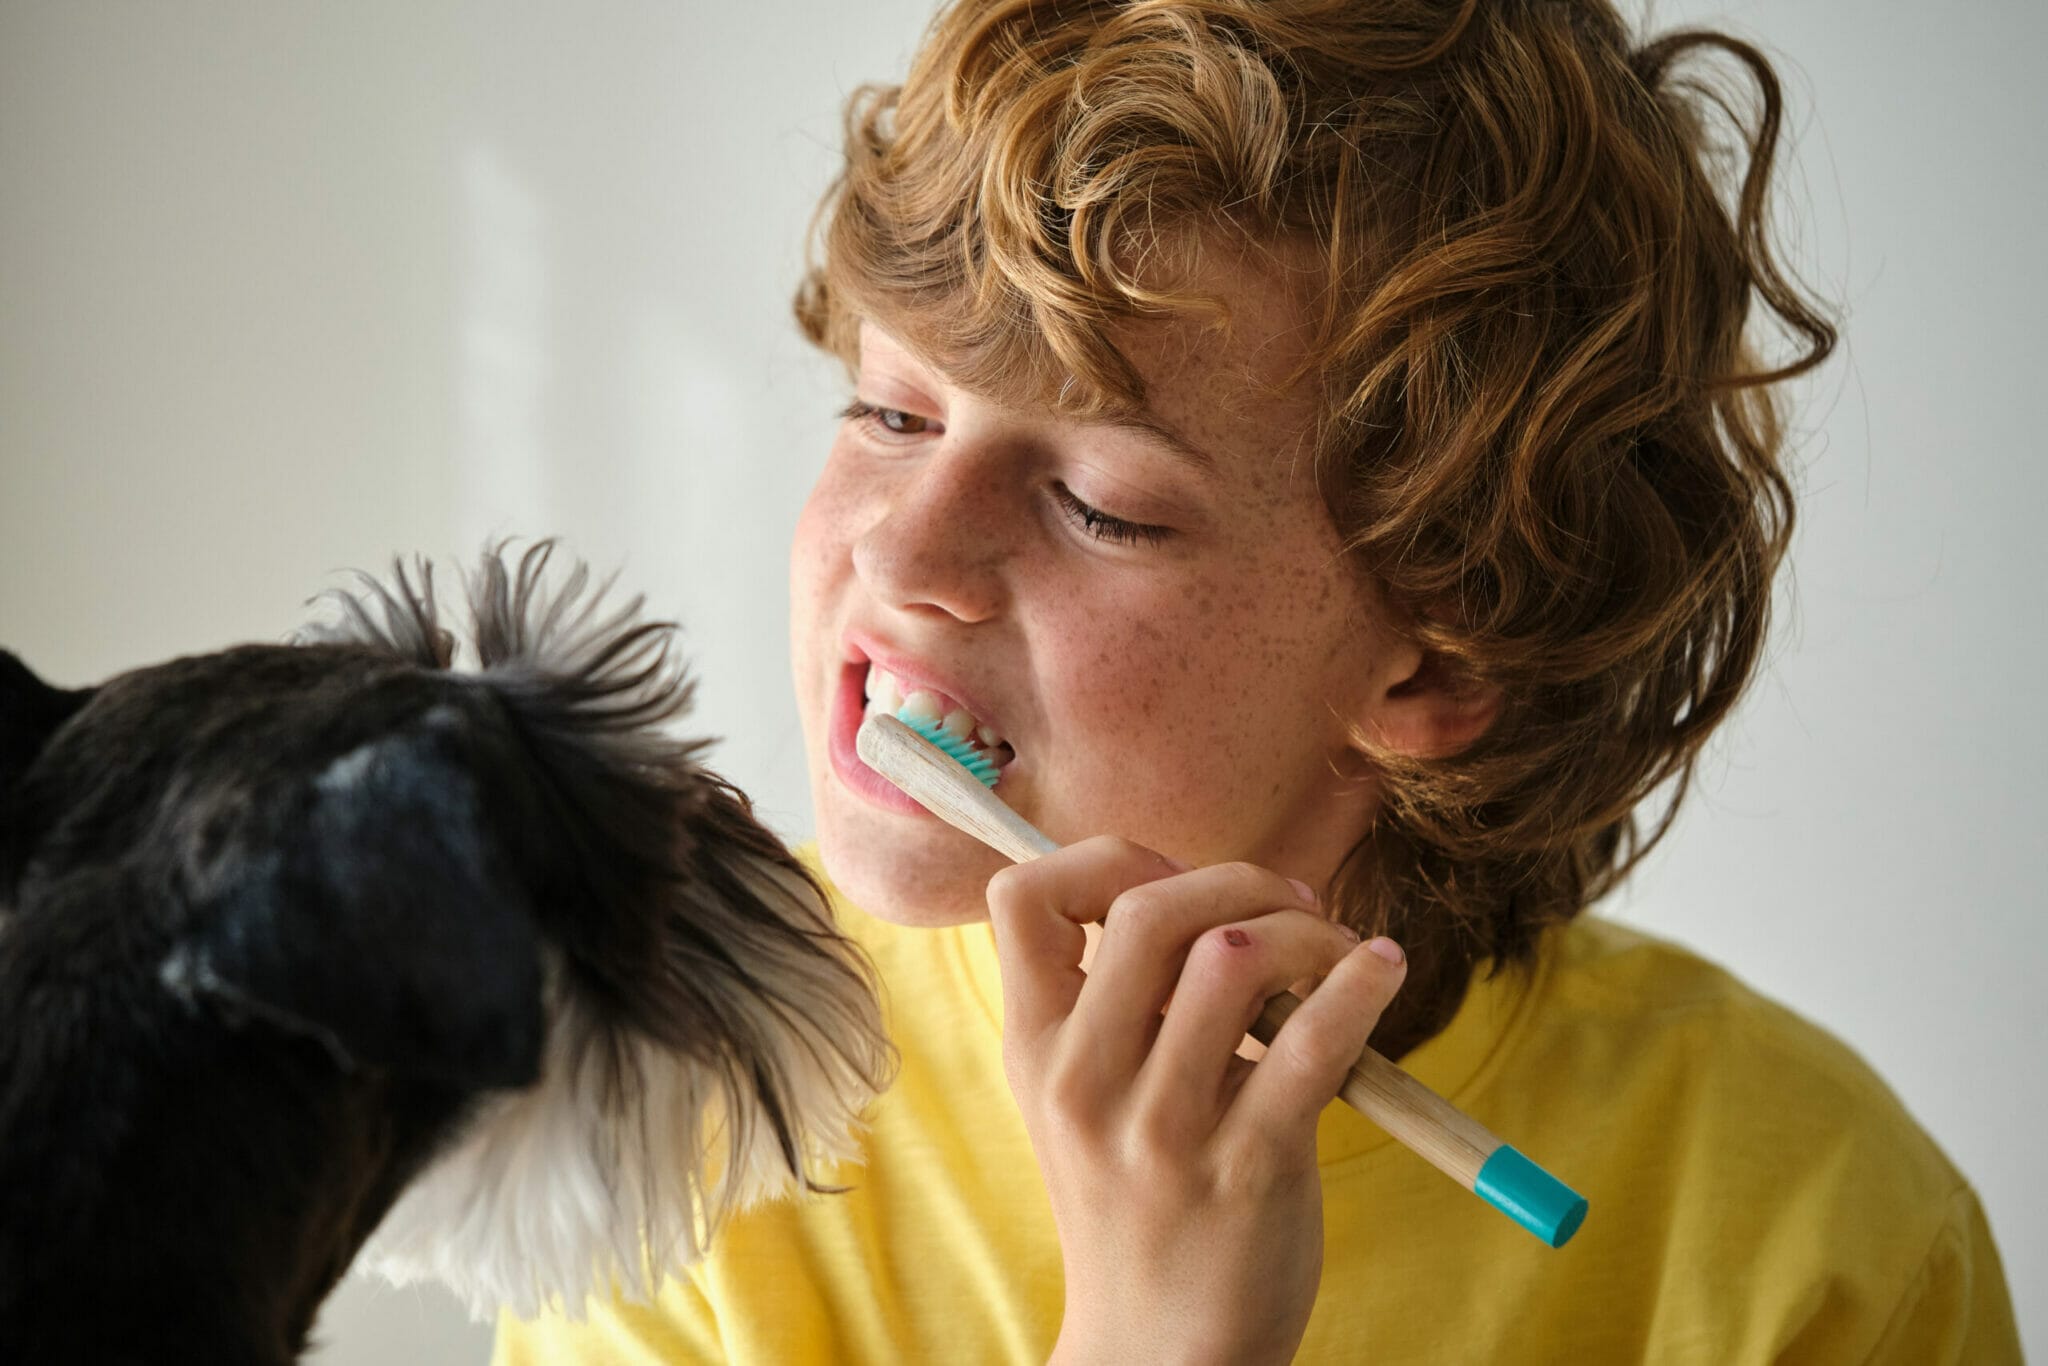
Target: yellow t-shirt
x=1757, y=1194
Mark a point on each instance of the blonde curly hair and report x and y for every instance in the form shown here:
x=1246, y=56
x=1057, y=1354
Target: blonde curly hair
x=1535, y=247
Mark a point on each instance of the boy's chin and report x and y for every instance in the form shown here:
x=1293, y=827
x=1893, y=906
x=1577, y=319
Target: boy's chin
x=935, y=877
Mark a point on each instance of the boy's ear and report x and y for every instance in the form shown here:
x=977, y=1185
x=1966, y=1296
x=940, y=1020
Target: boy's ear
x=1427, y=709
x=30, y=712
x=378, y=915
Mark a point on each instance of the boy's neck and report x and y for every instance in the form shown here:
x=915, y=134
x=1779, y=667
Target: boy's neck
x=1425, y=1006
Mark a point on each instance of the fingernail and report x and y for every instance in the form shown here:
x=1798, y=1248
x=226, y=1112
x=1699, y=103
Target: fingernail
x=1346, y=930
x=1176, y=865
x=1387, y=949
x=1303, y=890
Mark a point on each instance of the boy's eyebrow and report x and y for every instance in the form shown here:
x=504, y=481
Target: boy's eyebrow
x=1138, y=420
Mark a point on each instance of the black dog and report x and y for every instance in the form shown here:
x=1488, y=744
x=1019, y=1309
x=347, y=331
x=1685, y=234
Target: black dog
x=298, y=942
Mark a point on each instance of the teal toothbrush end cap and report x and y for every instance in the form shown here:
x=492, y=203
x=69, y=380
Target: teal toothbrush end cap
x=1530, y=1196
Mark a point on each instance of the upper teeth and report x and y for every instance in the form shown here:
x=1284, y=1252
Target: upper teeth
x=885, y=693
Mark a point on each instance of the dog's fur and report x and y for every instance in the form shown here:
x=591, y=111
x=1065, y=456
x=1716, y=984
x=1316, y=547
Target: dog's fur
x=306, y=941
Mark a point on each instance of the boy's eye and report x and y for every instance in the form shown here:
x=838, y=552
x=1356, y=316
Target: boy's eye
x=894, y=421
x=1104, y=527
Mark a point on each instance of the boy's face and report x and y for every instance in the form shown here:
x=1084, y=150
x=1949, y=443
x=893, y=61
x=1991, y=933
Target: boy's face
x=1188, y=689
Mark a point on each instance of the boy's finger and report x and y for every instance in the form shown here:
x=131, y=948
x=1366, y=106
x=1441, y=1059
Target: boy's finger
x=1037, y=909
x=1308, y=1060
x=1231, y=972
x=1145, y=942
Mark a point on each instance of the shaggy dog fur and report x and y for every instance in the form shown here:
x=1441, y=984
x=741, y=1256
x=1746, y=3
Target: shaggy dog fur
x=309, y=946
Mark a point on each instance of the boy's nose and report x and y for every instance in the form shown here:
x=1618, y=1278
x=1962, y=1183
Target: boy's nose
x=937, y=543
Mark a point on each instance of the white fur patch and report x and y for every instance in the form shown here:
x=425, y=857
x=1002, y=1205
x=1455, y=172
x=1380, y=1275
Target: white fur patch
x=575, y=1187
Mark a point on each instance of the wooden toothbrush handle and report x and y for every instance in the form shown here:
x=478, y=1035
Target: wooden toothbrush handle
x=1448, y=1139
x=1441, y=1133
x=1437, y=1131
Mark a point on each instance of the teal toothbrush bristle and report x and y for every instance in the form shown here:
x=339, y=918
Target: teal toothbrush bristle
x=966, y=755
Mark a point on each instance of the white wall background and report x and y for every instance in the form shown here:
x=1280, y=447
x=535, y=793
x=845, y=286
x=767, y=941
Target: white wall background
x=287, y=288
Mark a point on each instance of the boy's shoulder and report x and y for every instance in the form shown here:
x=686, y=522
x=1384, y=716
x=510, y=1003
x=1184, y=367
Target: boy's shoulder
x=1687, y=1029
x=1753, y=1146
x=1728, y=1110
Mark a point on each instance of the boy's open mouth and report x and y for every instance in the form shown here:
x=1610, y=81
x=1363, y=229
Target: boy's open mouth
x=883, y=693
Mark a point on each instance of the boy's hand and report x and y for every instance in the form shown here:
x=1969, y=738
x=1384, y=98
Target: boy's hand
x=1183, y=1179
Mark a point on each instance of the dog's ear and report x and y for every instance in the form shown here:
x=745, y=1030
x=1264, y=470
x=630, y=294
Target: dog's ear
x=378, y=912
x=30, y=712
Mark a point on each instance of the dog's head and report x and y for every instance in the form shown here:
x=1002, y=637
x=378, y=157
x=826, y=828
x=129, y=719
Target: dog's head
x=511, y=882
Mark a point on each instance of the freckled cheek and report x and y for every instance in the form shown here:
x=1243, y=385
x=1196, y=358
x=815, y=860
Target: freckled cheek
x=819, y=567
x=820, y=549
x=805, y=564
x=1170, y=682
x=1257, y=656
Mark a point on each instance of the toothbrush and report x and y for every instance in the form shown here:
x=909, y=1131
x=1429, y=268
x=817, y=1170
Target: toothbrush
x=924, y=764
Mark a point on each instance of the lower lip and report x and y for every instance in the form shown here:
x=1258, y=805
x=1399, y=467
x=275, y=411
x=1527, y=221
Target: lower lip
x=849, y=709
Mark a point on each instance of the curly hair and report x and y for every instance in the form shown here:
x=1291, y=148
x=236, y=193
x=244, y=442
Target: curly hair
x=1535, y=247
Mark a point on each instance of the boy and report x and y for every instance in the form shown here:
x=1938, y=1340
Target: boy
x=1315, y=447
